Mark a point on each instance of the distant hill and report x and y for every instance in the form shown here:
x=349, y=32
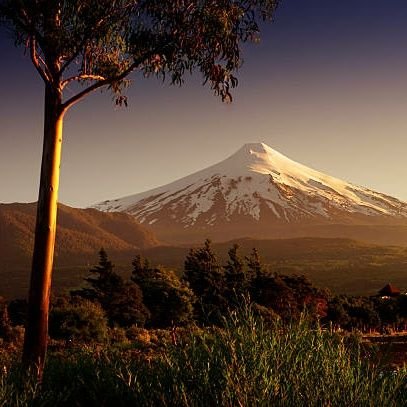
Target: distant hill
x=80, y=234
x=343, y=265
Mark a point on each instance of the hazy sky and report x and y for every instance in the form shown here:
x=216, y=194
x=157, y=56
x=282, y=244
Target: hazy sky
x=327, y=86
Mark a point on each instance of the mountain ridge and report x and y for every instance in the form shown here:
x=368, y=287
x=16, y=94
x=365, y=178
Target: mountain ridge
x=80, y=234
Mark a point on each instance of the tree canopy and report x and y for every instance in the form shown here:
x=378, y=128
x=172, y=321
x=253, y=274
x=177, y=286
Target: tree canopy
x=97, y=44
x=169, y=299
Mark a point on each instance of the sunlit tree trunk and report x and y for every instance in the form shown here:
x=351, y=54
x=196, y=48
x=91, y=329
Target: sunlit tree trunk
x=36, y=333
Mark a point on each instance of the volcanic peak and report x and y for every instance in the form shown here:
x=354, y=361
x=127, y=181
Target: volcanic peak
x=256, y=182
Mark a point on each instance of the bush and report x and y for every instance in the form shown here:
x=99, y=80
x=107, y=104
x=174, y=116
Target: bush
x=79, y=320
x=169, y=300
x=117, y=335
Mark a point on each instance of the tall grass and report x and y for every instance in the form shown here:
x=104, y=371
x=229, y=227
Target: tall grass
x=244, y=363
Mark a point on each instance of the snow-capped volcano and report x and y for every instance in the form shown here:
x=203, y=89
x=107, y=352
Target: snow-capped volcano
x=255, y=192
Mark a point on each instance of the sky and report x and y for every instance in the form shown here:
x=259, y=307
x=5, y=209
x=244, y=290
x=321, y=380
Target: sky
x=326, y=86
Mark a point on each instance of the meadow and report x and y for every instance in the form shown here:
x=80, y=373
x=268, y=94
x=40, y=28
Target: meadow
x=244, y=362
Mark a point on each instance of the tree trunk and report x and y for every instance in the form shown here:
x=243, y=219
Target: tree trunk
x=36, y=333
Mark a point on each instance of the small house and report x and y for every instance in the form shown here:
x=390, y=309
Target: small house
x=389, y=291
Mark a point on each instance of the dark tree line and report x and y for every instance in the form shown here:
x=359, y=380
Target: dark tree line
x=366, y=313
x=155, y=297
x=222, y=287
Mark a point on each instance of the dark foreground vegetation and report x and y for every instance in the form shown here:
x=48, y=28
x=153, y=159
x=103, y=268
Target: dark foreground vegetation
x=242, y=362
x=224, y=334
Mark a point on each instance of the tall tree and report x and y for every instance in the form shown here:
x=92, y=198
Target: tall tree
x=255, y=268
x=104, y=282
x=122, y=301
x=258, y=275
x=207, y=280
x=96, y=45
x=236, y=276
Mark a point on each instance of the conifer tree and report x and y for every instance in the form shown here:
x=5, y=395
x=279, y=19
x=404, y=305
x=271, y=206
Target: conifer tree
x=258, y=275
x=207, y=280
x=236, y=276
x=254, y=266
x=141, y=268
x=104, y=282
x=122, y=301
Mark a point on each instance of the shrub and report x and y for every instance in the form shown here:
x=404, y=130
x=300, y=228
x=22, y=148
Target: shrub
x=169, y=300
x=79, y=320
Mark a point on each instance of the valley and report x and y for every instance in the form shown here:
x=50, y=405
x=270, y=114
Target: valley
x=343, y=266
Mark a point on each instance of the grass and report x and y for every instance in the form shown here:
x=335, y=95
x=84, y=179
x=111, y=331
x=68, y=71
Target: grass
x=243, y=363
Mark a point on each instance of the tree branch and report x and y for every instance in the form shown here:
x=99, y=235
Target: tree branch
x=105, y=82
x=35, y=58
x=75, y=99
x=108, y=81
x=82, y=77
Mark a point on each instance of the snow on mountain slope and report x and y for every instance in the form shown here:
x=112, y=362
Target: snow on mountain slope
x=253, y=182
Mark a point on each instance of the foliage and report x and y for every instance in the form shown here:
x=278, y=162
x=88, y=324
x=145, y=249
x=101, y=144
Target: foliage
x=126, y=307
x=206, y=278
x=255, y=269
x=237, y=278
x=219, y=289
x=78, y=320
x=353, y=312
x=5, y=325
x=17, y=310
x=169, y=300
x=391, y=311
x=122, y=301
x=105, y=283
x=99, y=44
x=242, y=363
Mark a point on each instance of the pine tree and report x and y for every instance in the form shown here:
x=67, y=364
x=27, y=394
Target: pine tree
x=254, y=266
x=122, y=302
x=104, y=282
x=207, y=280
x=257, y=275
x=236, y=276
x=141, y=268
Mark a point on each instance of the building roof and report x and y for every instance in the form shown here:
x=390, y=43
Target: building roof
x=389, y=290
